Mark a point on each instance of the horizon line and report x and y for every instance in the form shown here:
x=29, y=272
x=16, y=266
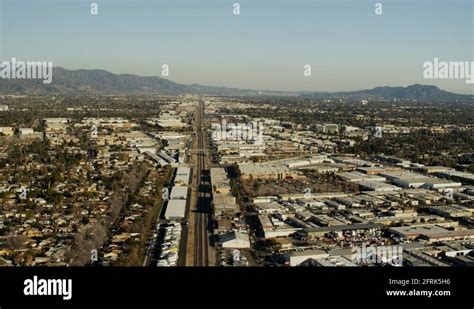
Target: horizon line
x=256, y=89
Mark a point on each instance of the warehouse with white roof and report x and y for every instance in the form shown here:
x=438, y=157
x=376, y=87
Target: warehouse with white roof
x=183, y=176
x=179, y=192
x=175, y=209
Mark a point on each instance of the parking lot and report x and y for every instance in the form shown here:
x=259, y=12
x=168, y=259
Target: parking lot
x=165, y=245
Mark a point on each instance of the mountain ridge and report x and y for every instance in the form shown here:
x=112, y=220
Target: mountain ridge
x=98, y=81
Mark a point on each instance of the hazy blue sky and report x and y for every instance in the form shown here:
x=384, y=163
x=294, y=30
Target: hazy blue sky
x=265, y=47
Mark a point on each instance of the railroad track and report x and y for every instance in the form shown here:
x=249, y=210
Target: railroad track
x=201, y=243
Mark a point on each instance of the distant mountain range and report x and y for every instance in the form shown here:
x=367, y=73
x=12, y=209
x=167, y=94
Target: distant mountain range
x=101, y=82
x=414, y=92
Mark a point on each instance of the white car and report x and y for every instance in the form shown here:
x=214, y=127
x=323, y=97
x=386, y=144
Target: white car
x=162, y=263
x=172, y=255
